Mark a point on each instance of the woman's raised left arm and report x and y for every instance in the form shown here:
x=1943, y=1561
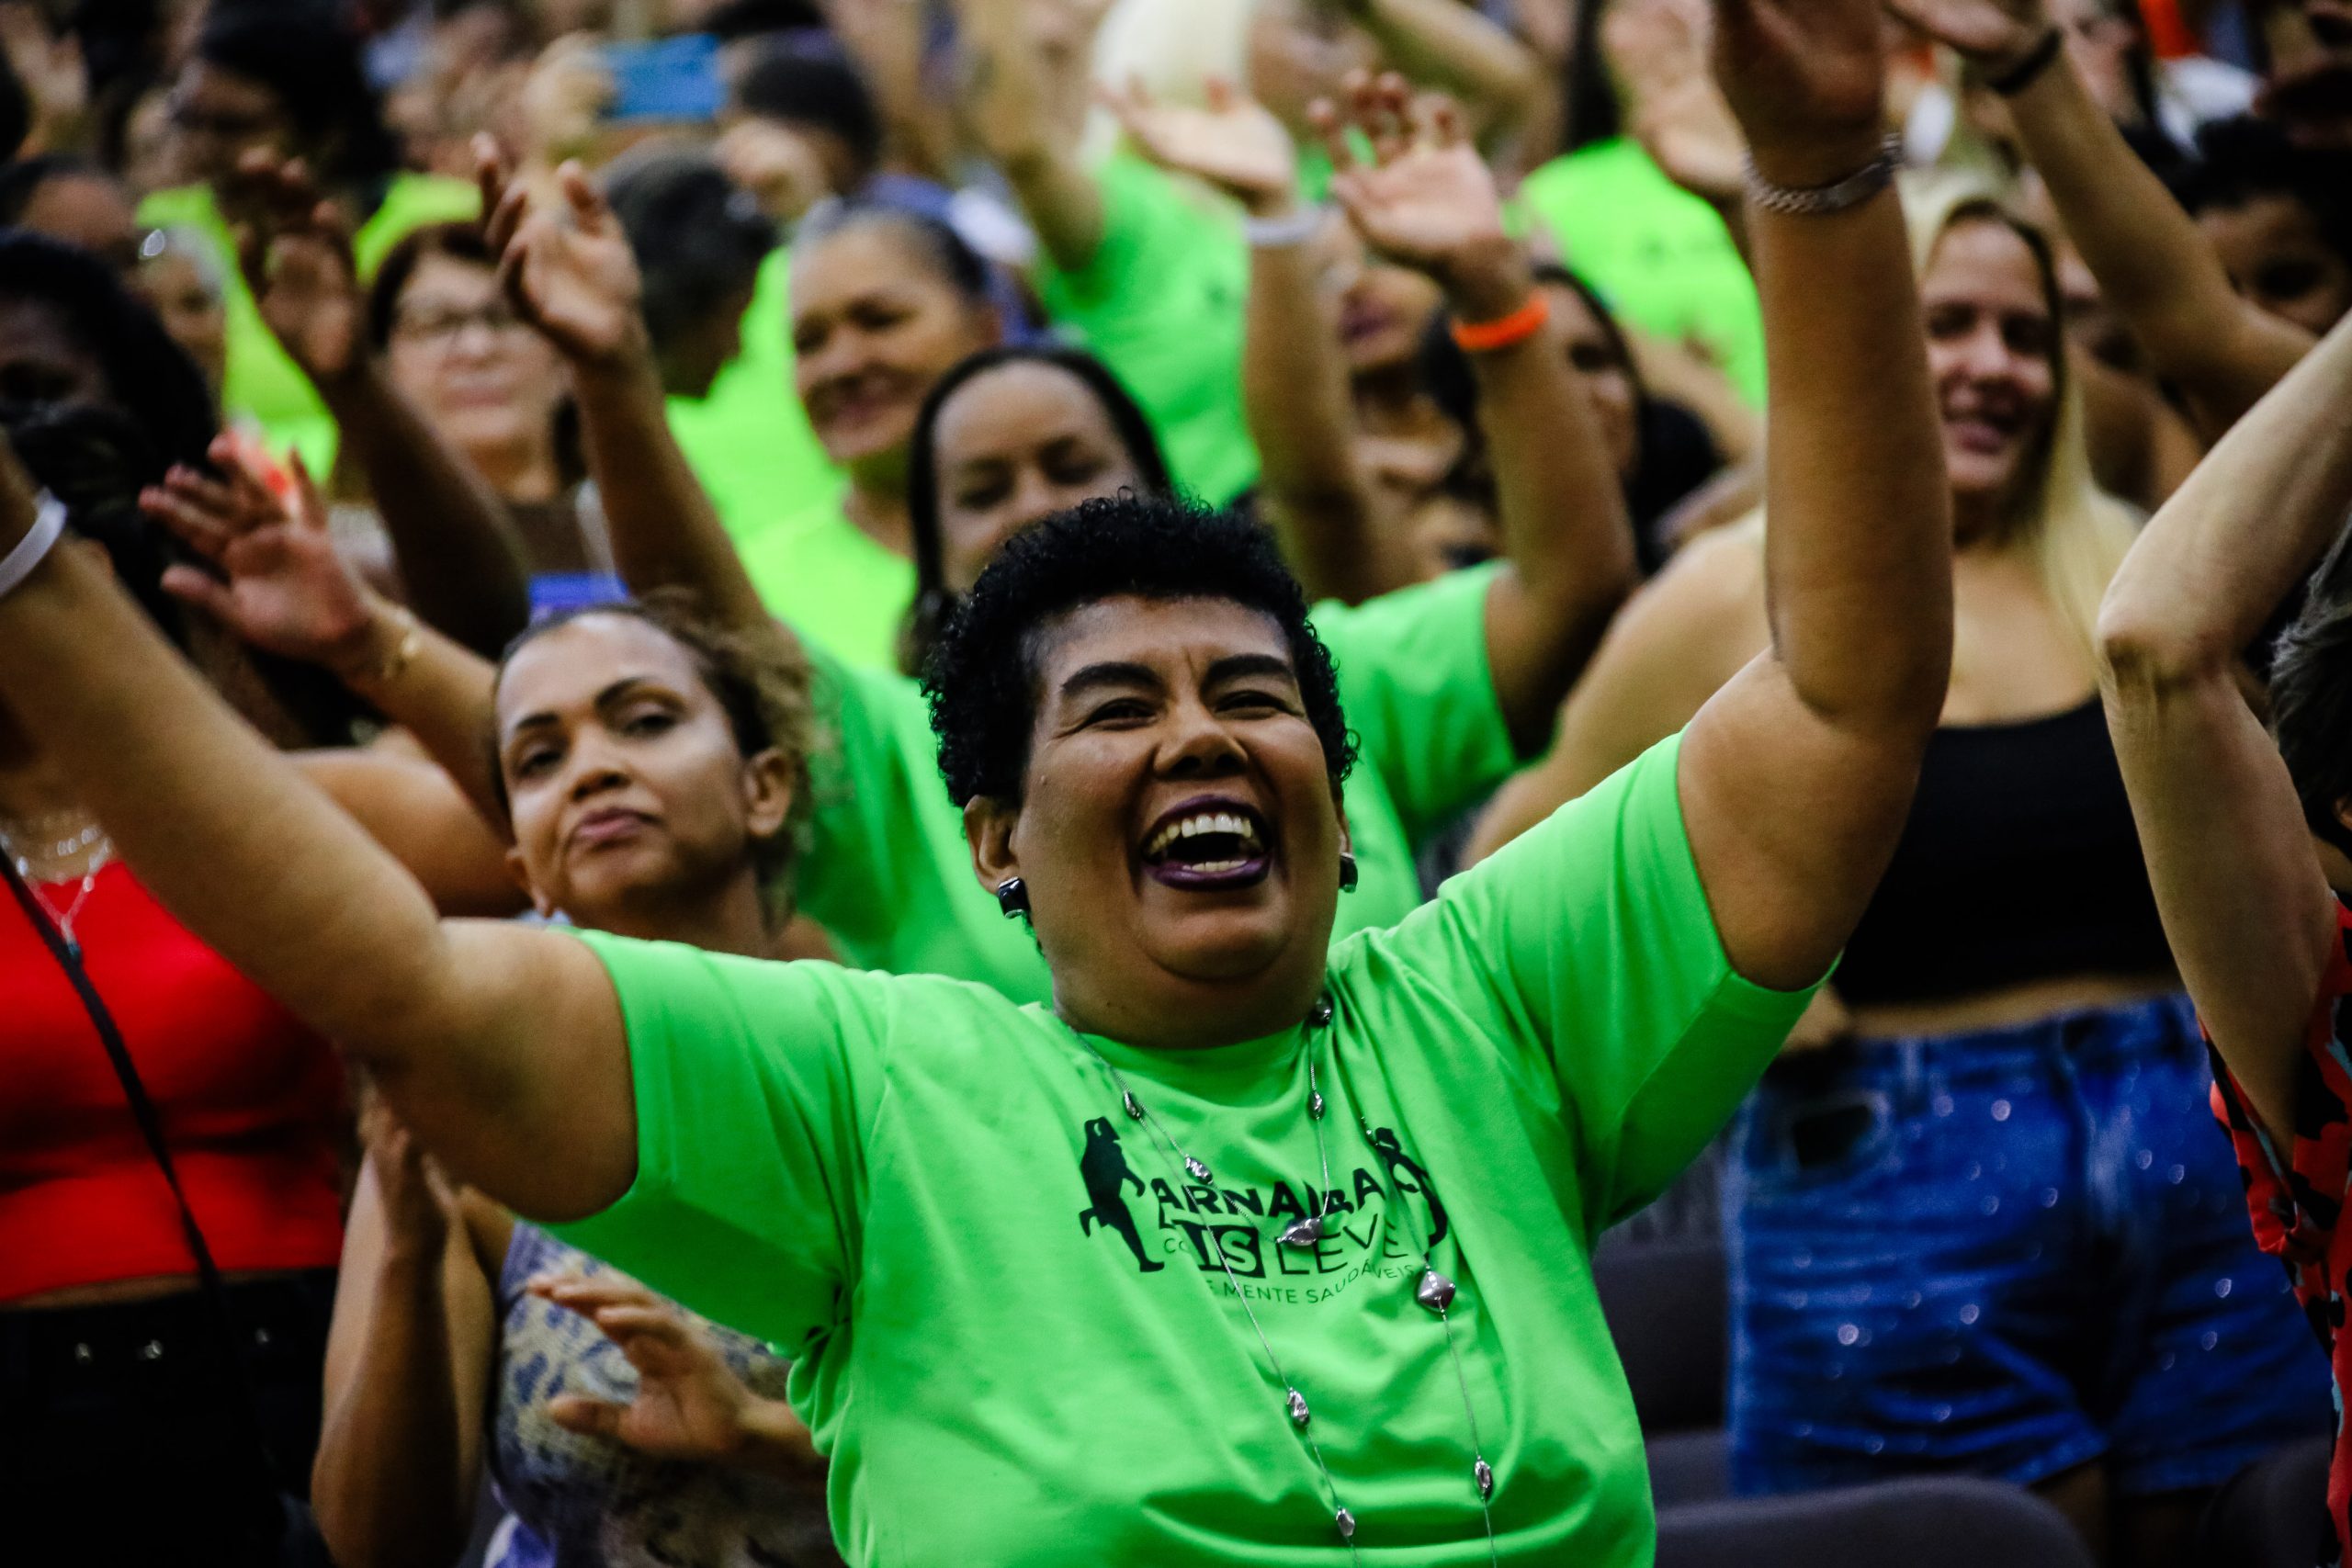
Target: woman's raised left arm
x=1428, y=201
x=1797, y=777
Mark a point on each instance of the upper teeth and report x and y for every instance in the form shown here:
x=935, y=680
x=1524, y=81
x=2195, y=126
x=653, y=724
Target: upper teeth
x=1203, y=822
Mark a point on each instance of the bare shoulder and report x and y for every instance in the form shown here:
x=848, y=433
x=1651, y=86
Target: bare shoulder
x=1706, y=604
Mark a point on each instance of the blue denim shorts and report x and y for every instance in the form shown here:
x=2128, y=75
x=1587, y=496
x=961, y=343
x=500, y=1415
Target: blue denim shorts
x=2006, y=1254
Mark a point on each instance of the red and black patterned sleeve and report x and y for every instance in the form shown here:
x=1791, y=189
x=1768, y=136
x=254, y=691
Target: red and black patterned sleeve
x=2296, y=1191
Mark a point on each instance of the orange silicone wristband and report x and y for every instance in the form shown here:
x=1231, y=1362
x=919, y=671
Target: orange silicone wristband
x=1482, y=337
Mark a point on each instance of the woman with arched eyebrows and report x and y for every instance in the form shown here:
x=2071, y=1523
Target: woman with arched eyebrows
x=1082, y=1263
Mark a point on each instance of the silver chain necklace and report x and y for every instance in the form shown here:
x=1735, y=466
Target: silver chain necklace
x=43, y=854
x=1433, y=1290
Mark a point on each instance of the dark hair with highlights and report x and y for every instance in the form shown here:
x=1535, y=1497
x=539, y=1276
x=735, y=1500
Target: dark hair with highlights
x=761, y=684
x=933, y=601
x=983, y=676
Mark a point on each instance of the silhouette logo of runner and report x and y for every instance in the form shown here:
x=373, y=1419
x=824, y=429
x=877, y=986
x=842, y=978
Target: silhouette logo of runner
x=1102, y=1165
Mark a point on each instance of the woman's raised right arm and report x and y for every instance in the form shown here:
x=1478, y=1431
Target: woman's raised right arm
x=2245, y=905
x=501, y=1046
x=571, y=276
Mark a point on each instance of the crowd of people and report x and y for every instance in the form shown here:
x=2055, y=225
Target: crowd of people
x=906, y=782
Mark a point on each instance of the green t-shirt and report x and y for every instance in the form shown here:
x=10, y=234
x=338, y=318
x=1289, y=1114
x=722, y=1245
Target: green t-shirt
x=888, y=872
x=822, y=573
x=1162, y=301
x=261, y=383
x=1012, y=1335
x=1660, y=256
x=748, y=439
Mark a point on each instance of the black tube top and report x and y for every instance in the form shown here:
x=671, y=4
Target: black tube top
x=2020, y=863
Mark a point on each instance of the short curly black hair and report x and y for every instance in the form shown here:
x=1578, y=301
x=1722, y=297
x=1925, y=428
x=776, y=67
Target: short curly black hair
x=982, y=677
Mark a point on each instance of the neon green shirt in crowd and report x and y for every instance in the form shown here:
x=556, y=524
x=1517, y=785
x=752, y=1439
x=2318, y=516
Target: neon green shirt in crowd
x=748, y=439
x=1659, y=255
x=261, y=383
x=1012, y=1335
x=887, y=870
x=1162, y=303
x=826, y=576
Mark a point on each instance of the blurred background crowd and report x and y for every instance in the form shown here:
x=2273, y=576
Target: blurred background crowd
x=1971, y=1276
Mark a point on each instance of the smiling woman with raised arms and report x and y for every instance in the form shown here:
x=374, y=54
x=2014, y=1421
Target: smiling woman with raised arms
x=1244, y=1249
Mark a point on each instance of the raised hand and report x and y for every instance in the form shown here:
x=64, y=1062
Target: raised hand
x=1232, y=143
x=1994, y=33
x=781, y=168
x=1658, y=48
x=294, y=248
x=1806, y=81
x=287, y=590
x=689, y=1405
x=1426, y=200
x=569, y=272
x=48, y=63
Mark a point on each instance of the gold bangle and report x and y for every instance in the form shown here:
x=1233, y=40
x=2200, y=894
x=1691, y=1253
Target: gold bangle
x=397, y=658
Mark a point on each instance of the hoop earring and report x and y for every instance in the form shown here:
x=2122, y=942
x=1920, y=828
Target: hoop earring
x=1012, y=898
x=1347, y=871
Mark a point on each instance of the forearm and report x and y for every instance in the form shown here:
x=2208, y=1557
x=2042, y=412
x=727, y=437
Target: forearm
x=1858, y=557
x=1447, y=44
x=460, y=560
x=437, y=690
x=1295, y=397
x=665, y=532
x=393, y=1482
x=2235, y=539
x=1008, y=101
x=1562, y=507
x=2152, y=264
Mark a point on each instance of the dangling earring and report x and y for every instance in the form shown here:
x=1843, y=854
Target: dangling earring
x=1012, y=898
x=1347, y=871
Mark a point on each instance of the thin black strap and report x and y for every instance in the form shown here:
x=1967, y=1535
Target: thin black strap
x=151, y=1128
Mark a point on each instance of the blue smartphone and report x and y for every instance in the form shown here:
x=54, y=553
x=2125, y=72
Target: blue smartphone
x=670, y=80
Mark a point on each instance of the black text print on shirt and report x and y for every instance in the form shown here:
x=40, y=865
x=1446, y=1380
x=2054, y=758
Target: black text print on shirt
x=1216, y=1227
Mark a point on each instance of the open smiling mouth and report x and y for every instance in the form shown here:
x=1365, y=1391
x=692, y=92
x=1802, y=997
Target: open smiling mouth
x=1209, y=848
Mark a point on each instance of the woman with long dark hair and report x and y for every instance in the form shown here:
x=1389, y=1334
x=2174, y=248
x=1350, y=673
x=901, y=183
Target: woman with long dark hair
x=1079, y=1262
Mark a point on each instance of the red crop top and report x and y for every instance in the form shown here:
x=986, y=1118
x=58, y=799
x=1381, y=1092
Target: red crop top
x=251, y=1104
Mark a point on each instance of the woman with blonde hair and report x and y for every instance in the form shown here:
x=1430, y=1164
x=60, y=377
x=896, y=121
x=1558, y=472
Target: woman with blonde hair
x=1983, y=1225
